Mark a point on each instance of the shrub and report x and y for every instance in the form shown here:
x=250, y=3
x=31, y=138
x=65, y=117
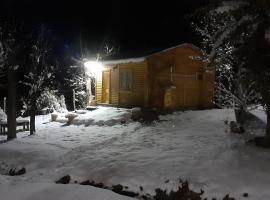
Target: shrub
x=81, y=99
x=3, y=115
x=51, y=102
x=182, y=193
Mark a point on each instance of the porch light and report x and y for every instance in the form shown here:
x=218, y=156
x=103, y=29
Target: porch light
x=93, y=67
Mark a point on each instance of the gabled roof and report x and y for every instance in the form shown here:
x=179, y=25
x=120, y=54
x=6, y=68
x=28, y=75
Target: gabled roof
x=141, y=59
x=180, y=45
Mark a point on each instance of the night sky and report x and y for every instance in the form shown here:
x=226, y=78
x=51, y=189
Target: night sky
x=135, y=27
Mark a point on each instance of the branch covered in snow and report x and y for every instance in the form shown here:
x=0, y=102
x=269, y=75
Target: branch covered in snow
x=40, y=71
x=224, y=30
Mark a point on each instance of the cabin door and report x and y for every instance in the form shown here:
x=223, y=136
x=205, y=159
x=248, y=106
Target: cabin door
x=106, y=76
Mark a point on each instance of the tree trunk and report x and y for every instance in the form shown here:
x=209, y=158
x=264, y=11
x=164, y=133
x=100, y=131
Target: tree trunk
x=11, y=111
x=241, y=112
x=33, y=116
x=268, y=120
x=240, y=115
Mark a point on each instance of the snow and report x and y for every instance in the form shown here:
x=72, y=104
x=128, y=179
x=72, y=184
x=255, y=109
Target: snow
x=260, y=113
x=178, y=46
x=102, y=116
x=120, y=61
x=45, y=191
x=99, y=146
x=141, y=59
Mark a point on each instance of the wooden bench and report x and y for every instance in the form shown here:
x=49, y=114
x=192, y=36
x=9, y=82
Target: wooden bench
x=19, y=122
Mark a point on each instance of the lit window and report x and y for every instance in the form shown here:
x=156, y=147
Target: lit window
x=126, y=79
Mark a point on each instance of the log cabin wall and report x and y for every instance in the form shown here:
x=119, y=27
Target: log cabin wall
x=179, y=67
x=99, y=88
x=136, y=95
x=115, y=85
x=174, y=76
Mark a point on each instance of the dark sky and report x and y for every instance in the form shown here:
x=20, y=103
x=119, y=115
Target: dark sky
x=134, y=26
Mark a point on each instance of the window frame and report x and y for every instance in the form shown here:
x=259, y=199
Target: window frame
x=123, y=73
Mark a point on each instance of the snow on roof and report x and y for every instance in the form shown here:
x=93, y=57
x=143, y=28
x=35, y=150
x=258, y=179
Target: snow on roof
x=141, y=59
x=174, y=47
x=128, y=60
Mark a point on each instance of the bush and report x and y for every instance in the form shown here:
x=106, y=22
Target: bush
x=182, y=193
x=49, y=102
x=81, y=99
x=3, y=115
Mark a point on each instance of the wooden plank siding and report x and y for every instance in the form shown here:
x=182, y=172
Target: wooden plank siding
x=173, y=73
x=135, y=97
x=115, y=85
x=99, y=88
x=179, y=65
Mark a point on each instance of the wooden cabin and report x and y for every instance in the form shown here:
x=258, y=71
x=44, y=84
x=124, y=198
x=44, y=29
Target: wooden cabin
x=173, y=78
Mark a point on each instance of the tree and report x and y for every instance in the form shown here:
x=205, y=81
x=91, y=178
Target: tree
x=76, y=79
x=246, y=31
x=39, y=70
x=11, y=48
x=257, y=53
x=224, y=28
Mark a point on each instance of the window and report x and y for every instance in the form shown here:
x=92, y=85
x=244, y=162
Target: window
x=126, y=79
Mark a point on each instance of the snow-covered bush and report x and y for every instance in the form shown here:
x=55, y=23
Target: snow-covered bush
x=62, y=103
x=3, y=115
x=70, y=117
x=51, y=102
x=54, y=116
x=81, y=99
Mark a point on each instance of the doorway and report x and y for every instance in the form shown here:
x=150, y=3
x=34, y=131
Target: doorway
x=106, y=79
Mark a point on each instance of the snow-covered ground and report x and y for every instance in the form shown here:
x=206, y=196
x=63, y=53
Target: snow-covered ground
x=110, y=148
x=48, y=191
